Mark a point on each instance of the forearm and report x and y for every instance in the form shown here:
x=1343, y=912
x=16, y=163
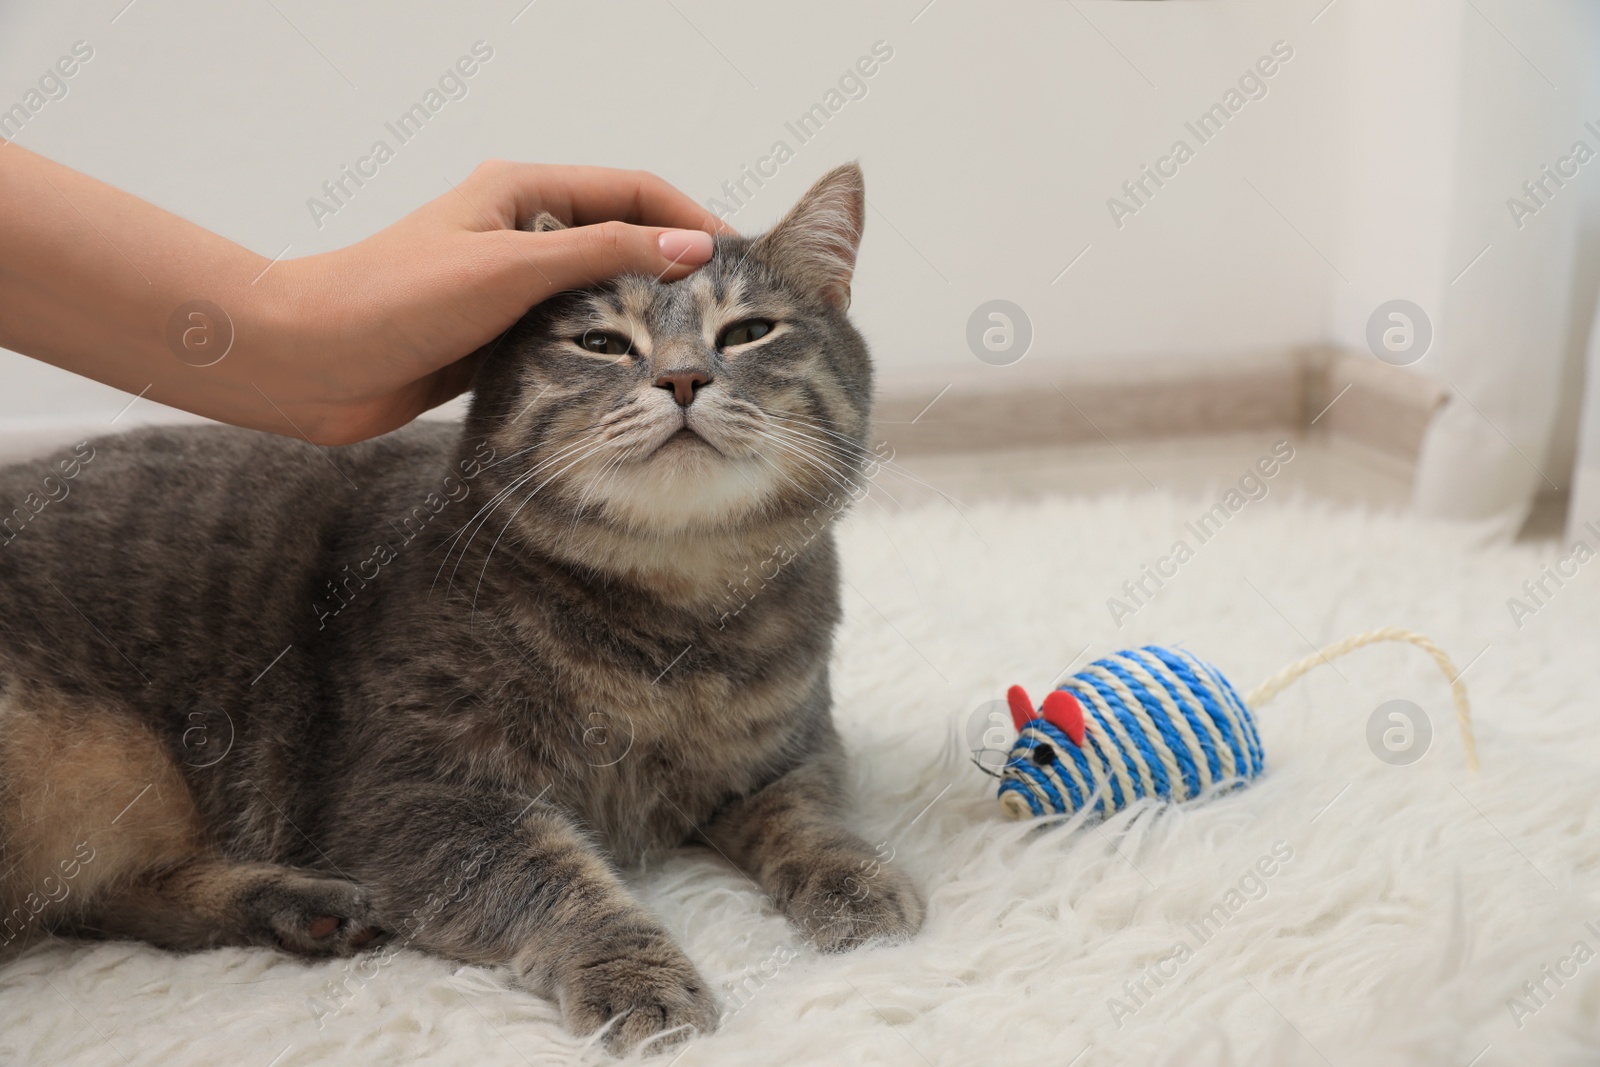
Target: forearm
x=335, y=347
x=90, y=277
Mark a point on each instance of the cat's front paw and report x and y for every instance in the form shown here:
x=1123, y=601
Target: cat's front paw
x=847, y=899
x=644, y=982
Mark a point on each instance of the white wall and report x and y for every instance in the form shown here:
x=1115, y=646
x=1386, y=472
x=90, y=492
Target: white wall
x=992, y=141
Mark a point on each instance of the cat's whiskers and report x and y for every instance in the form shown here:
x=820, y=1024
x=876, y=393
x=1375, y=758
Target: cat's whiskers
x=811, y=422
x=607, y=475
x=842, y=468
x=891, y=467
x=586, y=445
x=789, y=450
x=488, y=509
x=867, y=486
x=513, y=518
x=824, y=463
x=515, y=480
x=778, y=469
x=512, y=456
x=539, y=465
x=626, y=413
x=606, y=422
x=796, y=420
x=513, y=418
x=728, y=429
x=888, y=465
x=622, y=451
x=834, y=440
x=754, y=421
x=616, y=424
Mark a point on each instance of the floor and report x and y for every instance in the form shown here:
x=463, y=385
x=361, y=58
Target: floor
x=1321, y=467
x=1184, y=465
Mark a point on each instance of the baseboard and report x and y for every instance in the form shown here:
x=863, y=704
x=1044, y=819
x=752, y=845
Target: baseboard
x=1315, y=389
x=1353, y=397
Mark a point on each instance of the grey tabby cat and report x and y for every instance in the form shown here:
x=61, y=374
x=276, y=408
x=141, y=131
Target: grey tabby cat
x=433, y=686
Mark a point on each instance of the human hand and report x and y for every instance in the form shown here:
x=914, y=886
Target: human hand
x=396, y=319
x=336, y=347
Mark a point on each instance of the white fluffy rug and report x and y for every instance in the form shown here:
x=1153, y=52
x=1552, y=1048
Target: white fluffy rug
x=1414, y=904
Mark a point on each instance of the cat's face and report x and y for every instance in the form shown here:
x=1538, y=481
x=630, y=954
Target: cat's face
x=738, y=394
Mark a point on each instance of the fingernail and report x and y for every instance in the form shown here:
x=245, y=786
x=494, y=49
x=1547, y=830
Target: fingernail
x=685, y=246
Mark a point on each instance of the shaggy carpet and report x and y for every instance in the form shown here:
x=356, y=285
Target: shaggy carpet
x=1344, y=909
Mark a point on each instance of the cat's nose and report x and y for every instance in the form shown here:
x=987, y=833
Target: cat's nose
x=684, y=384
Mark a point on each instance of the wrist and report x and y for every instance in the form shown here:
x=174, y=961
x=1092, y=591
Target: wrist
x=307, y=332
x=257, y=349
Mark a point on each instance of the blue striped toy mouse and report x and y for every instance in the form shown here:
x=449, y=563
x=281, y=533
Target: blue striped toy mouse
x=1156, y=722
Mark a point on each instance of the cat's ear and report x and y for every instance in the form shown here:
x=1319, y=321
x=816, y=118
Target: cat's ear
x=816, y=242
x=542, y=222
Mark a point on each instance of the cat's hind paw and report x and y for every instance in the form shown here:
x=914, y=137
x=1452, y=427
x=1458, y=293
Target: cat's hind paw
x=311, y=915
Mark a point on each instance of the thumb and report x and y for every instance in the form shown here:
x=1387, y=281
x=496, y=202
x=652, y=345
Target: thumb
x=584, y=255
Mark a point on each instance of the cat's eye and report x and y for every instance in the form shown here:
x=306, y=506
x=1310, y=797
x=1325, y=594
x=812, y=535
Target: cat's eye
x=1043, y=756
x=605, y=343
x=742, y=333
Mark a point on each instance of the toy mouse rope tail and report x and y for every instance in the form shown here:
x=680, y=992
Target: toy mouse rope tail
x=1276, y=684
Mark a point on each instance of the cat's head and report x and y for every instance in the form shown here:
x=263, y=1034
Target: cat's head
x=736, y=396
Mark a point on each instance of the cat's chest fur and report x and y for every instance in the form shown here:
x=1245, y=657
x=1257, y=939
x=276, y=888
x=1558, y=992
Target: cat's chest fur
x=639, y=716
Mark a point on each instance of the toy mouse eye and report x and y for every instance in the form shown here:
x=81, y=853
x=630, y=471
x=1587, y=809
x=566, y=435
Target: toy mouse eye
x=605, y=343
x=742, y=333
x=1043, y=756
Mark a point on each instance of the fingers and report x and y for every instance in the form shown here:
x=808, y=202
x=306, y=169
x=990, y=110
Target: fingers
x=585, y=255
x=638, y=197
x=583, y=196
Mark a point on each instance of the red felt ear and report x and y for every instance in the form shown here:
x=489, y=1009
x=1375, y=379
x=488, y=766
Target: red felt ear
x=1062, y=710
x=1022, y=712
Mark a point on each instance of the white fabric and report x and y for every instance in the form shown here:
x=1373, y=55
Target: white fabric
x=1502, y=346
x=1417, y=901
x=1463, y=120
x=1585, y=505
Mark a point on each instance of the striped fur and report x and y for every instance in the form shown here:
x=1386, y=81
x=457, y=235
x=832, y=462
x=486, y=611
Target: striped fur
x=452, y=676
